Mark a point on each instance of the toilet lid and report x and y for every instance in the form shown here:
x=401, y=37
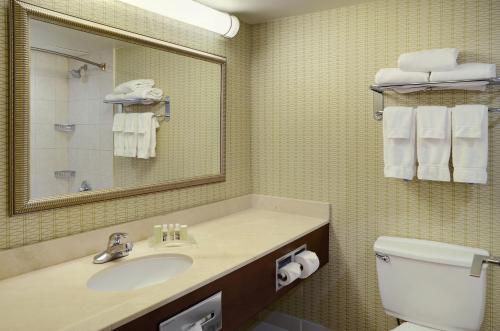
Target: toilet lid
x=412, y=327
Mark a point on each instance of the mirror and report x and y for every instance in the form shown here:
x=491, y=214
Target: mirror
x=103, y=113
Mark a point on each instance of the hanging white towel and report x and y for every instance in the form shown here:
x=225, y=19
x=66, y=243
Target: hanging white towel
x=466, y=71
x=440, y=59
x=133, y=85
x=397, y=76
x=146, y=145
x=399, y=142
x=130, y=134
x=470, y=143
x=118, y=134
x=433, y=142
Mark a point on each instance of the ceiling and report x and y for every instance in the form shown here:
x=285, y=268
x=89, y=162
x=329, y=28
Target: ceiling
x=259, y=11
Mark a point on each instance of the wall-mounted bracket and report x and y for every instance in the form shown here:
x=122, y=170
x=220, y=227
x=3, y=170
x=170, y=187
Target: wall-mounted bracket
x=479, y=260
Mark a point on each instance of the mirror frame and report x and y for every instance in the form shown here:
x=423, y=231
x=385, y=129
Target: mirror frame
x=19, y=109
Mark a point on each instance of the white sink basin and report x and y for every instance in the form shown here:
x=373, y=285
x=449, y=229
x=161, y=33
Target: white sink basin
x=139, y=272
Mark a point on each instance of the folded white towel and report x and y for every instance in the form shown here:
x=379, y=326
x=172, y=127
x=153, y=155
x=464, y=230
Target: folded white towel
x=133, y=85
x=142, y=95
x=466, y=71
x=399, y=142
x=433, y=142
x=146, y=145
x=440, y=59
x=470, y=143
x=397, y=76
x=119, y=134
x=151, y=93
x=469, y=86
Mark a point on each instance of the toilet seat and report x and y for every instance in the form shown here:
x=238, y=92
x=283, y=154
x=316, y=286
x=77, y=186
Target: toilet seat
x=407, y=326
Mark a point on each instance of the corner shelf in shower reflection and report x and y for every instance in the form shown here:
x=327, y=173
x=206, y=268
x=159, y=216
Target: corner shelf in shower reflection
x=65, y=127
x=145, y=102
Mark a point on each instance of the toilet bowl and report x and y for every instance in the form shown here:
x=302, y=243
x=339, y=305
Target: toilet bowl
x=427, y=284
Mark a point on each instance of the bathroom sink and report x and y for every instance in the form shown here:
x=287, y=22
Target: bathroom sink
x=139, y=272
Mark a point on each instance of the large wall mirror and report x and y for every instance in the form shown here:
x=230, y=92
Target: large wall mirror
x=99, y=113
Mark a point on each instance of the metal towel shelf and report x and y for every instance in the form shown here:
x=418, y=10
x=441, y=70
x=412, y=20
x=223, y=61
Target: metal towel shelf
x=166, y=115
x=378, y=100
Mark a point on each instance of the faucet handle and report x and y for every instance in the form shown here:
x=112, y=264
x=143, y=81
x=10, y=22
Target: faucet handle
x=116, y=238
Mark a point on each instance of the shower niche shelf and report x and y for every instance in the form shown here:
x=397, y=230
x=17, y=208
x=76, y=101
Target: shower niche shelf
x=65, y=127
x=64, y=174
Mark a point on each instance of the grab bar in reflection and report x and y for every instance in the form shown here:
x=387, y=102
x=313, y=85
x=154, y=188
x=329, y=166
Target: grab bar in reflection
x=101, y=66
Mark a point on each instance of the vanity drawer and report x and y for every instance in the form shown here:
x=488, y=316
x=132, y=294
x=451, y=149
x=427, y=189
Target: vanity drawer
x=245, y=292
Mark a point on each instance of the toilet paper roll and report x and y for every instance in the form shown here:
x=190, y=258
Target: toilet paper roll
x=289, y=273
x=309, y=262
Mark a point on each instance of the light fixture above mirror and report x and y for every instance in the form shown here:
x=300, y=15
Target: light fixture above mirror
x=192, y=12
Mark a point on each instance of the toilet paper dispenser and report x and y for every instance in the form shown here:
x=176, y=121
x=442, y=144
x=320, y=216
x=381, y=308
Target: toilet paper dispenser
x=299, y=263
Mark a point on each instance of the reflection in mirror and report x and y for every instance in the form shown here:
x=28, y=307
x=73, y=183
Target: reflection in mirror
x=97, y=114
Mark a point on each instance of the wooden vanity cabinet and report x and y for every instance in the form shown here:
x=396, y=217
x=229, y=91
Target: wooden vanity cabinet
x=245, y=291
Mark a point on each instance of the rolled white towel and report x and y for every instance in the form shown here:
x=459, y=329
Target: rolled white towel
x=112, y=97
x=439, y=59
x=466, y=71
x=397, y=76
x=133, y=85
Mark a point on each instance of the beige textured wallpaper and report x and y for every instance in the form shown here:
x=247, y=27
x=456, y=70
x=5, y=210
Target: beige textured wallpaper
x=313, y=137
x=188, y=145
x=34, y=227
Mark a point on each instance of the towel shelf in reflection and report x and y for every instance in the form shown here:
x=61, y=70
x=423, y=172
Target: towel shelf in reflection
x=145, y=102
x=379, y=102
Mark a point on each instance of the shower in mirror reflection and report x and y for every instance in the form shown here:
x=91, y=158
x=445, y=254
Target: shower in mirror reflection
x=79, y=72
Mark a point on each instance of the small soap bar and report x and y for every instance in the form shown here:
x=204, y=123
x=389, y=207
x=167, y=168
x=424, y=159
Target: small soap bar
x=157, y=234
x=177, y=232
x=183, y=233
x=165, y=232
x=171, y=234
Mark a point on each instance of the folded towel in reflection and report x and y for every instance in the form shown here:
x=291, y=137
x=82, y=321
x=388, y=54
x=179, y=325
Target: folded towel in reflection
x=133, y=85
x=118, y=134
x=466, y=71
x=131, y=134
x=125, y=127
x=439, y=59
x=397, y=76
x=146, y=139
x=143, y=95
x=150, y=93
x=433, y=142
x=470, y=143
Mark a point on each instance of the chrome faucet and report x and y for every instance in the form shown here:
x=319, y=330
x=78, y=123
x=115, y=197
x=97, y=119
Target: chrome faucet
x=115, y=250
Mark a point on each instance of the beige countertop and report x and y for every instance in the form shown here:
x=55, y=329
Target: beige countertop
x=56, y=297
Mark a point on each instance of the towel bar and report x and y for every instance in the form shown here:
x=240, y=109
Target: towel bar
x=379, y=102
x=166, y=114
x=479, y=260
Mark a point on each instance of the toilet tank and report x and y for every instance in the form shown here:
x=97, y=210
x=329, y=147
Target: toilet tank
x=428, y=283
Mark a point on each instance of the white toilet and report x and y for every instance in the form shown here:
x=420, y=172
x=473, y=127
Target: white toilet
x=427, y=284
